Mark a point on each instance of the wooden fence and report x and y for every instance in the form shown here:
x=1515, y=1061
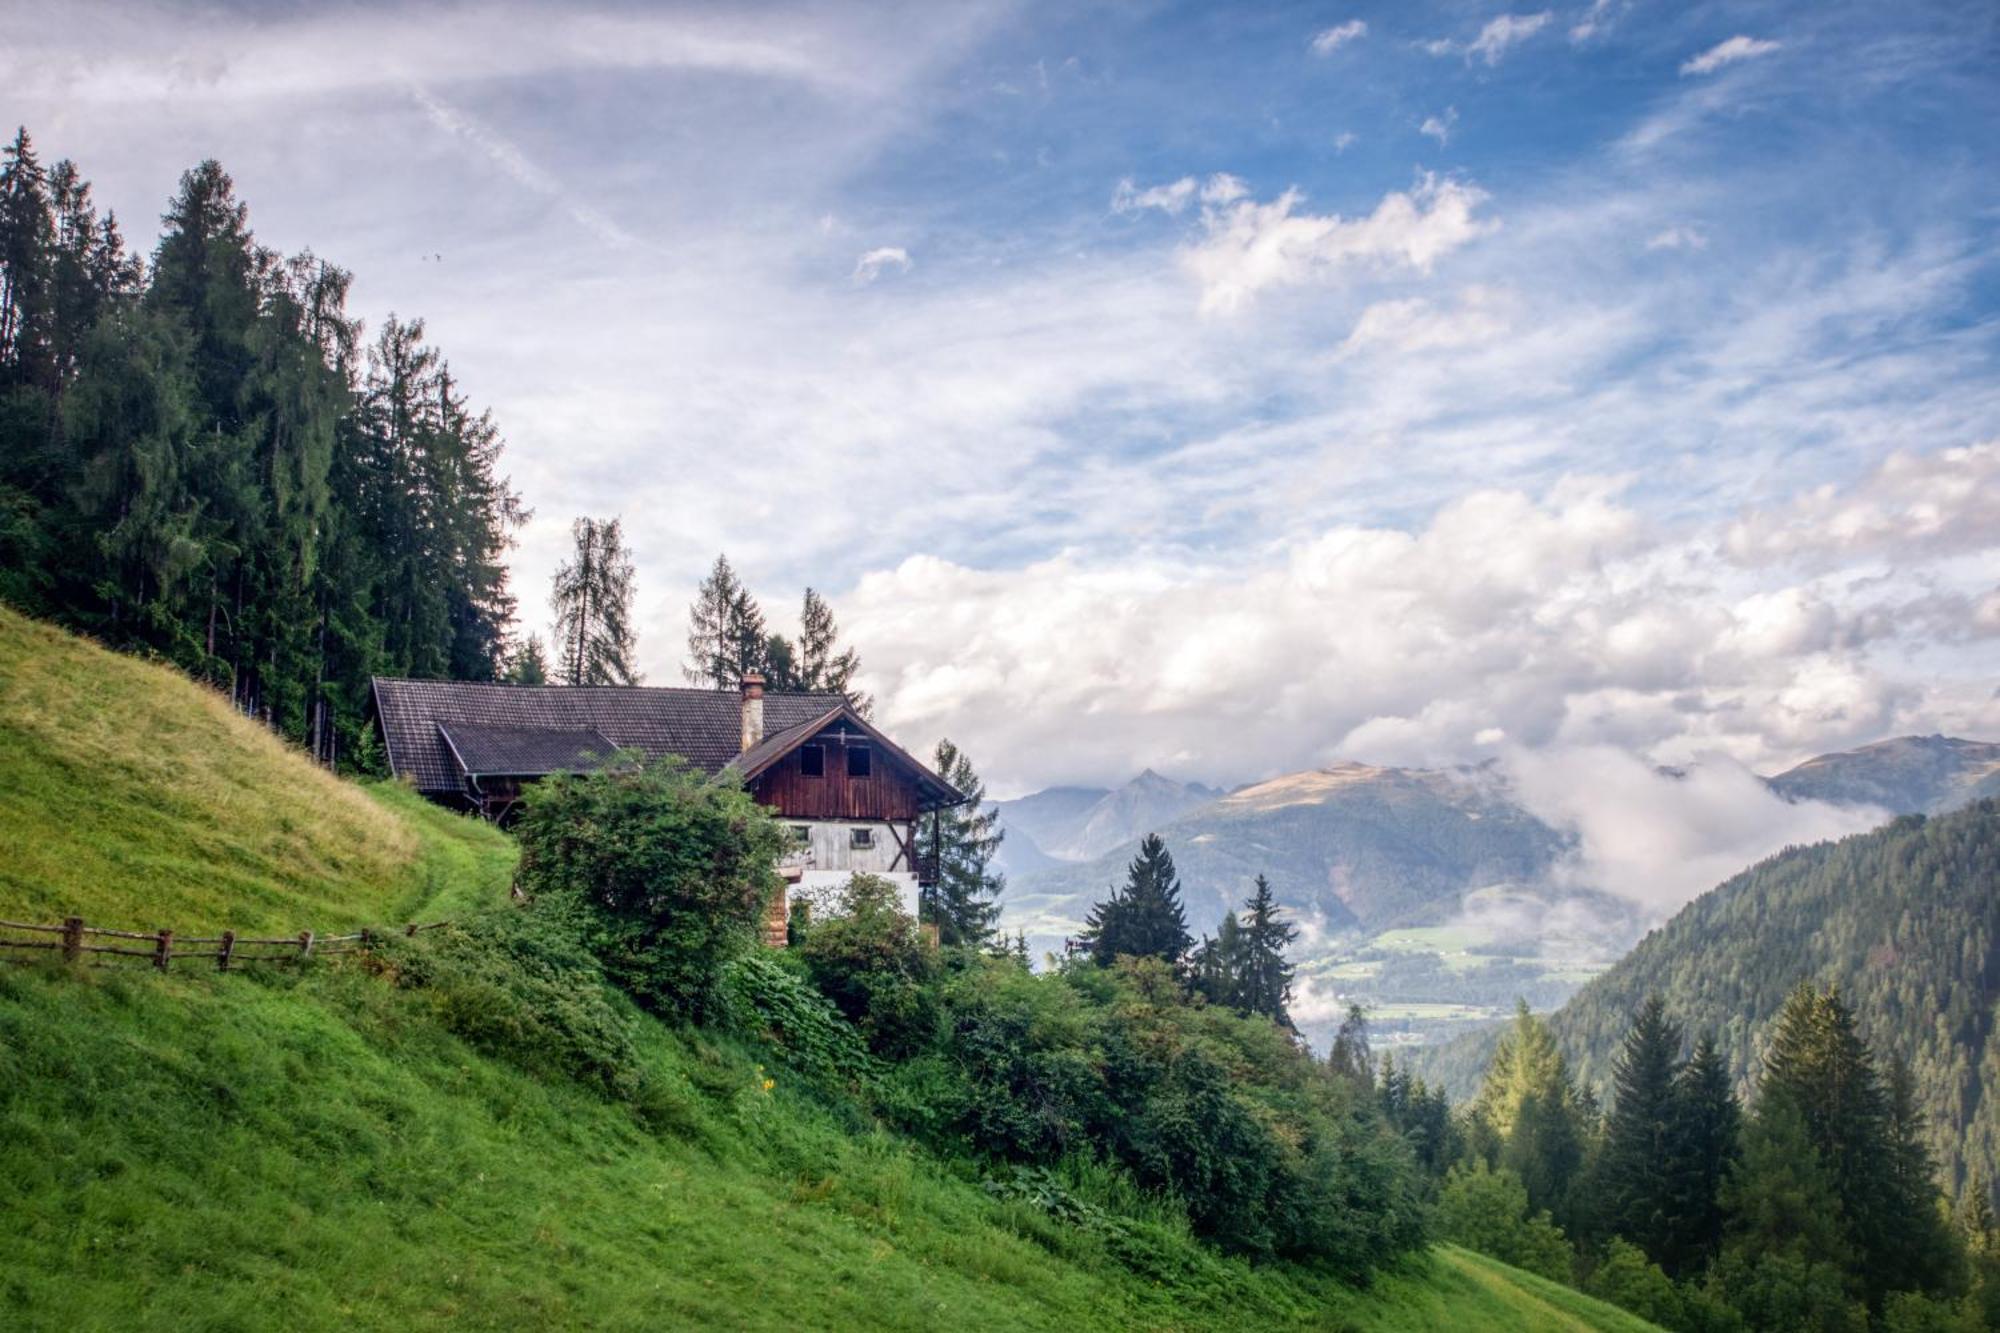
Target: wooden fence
x=163, y=948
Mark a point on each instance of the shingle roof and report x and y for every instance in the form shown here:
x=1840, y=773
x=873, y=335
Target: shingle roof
x=525, y=751
x=704, y=727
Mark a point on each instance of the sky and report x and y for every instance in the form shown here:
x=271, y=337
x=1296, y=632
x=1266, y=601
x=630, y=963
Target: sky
x=1222, y=389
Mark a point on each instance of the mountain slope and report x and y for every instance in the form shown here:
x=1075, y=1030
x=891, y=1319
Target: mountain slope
x=378, y=1142
x=1078, y=823
x=1908, y=775
x=1349, y=847
x=1906, y=920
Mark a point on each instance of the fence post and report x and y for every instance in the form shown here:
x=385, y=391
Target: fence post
x=164, y=951
x=72, y=938
x=305, y=944
x=222, y=954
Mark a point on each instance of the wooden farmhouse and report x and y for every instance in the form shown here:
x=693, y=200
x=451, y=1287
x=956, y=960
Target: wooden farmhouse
x=852, y=796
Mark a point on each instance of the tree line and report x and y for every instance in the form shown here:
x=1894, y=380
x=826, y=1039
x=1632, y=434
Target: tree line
x=201, y=459
x=1815, y=1206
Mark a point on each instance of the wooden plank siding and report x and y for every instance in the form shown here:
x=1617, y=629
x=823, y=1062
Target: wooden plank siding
x=888, y=794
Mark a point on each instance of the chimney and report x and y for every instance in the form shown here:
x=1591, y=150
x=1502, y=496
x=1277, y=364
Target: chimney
x=753, y=709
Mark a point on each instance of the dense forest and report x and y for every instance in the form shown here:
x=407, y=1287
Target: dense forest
x=1902, y=920
x=200, y=459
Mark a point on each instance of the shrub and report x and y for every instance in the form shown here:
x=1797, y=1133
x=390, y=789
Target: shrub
x=518, y=983
x=766, y=1000
x=1487, y=1210
x=867, y=957
x=673, y=872
x=1631, y=1281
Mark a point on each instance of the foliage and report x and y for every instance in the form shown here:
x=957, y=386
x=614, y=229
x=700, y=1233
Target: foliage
x=767, y=998
x=672, y=872
x=1145, y=918
x=1529, y=1117
x=592, y=597
x=1902, y=920
x=962, y=903
x=1629, y=1280
x=1637, y=1133
x=198, y=460
x=1488, y=1210
x=725, y=632
x=867, y=956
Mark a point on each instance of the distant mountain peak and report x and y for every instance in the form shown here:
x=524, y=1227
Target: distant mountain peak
x=1904, y=774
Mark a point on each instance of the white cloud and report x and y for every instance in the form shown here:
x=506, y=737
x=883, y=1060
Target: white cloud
x=1332, y=39
x=1910, y=507
x=1495, y=39
x=1439, y=126
x=1415, y=324
x=871, y=265
x=1173, y=197
x=1728, y=53
x=1248, y=248
x=1593, y=22
x=517, y=167
x=1344, y=140
x=1678, y=237
x=1659, y=839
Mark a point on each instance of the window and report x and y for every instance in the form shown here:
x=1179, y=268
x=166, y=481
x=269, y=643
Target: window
x=857, y=761
x=861, y=837
x=801, y=834
x=812, y=760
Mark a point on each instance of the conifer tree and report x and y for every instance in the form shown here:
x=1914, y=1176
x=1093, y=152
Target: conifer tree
x=824, y=666
x=1218, y=963
x=527, y=665
x=962, y=903
x=1637, y=1132
x=1266, y=985
x=25, y=243
x=1531, y=1108
x=726, y=635
x=1349, y=1055
x=1702, y=1146
x=593, y=605
x=1145, y=919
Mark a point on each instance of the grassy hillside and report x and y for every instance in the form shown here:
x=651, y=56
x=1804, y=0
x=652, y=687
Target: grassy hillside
x=1905, y=920
x=141, y=800
x=392, y=1141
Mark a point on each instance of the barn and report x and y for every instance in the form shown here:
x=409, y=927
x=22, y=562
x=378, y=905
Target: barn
x=852, y=796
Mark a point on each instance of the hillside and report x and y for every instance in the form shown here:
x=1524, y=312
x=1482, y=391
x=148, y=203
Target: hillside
x=1353, y=847
x=1927, y=775
x=1906, y=920
x=431, y=1136
x=1080, y=823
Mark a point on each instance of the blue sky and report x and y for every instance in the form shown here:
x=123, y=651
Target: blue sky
x=1222, y=388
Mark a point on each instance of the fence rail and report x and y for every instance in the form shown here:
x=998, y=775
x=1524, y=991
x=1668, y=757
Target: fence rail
x=165, y=948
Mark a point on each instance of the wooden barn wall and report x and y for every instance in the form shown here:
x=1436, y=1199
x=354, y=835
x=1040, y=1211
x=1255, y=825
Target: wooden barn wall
x=886, y=793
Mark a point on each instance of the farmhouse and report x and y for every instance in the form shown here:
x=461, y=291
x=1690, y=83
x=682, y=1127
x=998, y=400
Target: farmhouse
x=852, y=796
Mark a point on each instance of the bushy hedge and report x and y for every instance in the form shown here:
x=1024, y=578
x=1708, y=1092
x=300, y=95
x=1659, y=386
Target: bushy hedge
x=672, y=873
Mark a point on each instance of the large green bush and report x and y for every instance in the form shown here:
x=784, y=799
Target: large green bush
x=1487, y=1210
x=672, y=873
x=867, y=956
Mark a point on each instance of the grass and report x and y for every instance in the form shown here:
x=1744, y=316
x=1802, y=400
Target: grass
x=314, y=1147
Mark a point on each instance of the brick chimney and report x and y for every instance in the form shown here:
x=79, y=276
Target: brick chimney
x=753, y=709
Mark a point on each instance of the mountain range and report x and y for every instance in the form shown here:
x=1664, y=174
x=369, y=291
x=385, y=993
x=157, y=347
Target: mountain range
x=1355, y=849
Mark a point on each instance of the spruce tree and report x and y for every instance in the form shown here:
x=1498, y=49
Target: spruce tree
x=1531, y=1109
x=1703, y=1142
x=824, y=666
x=962, y=903
x=1634, y=1183
x=1349, y=1056
x=1218, y=963
x=1145, y=919
x=527, y=665
x=592, y=598
x=1266, y=974
x=726, y=635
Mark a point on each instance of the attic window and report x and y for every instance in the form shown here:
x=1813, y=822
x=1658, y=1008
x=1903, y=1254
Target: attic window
x=857, y=761
x=812, y=760
x=861, y=837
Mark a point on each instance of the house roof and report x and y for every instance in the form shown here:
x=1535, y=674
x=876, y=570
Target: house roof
x=440, y=732
x=481, y=748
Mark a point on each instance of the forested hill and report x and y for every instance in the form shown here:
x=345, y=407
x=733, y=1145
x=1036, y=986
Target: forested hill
x=201, y=460
x=1904, y=920
x=1909, y=775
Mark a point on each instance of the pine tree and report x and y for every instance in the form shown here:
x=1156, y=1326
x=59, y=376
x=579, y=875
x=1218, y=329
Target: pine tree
x=1916, y=1250
x=1349, y=1056
x=1145, y=919
x=593, y=605
x=962, y=902
x=1531, y=1109
x=1266, y=975
x=527, y=665
x=726, y=635
x=1637, y=1134
x=824, y=666
x=1703, y=1142
x=26, y=225
x=1218, y=963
